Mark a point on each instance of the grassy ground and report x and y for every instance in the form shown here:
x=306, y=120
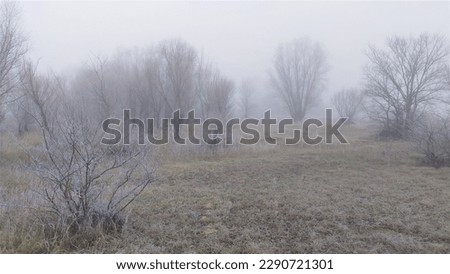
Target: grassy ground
x=365, y=197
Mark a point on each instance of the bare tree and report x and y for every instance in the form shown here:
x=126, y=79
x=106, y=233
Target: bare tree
x=38, y=96
x=177, y=65
x=214, y=92
x=246, y=98
x=98, y=66
x=405, y=78
x=299, y=75
x=101, y=87
x=20, y=109
x=348, y=102
x=219, y=98
x=448, y=76
x=204, y=78
x=150, y=93
x=12, y=47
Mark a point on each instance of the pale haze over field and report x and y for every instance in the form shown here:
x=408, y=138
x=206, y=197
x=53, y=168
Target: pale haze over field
x=240, y=38
x=94, y=157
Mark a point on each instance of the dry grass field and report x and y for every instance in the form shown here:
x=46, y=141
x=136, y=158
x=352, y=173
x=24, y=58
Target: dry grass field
x=364, y=197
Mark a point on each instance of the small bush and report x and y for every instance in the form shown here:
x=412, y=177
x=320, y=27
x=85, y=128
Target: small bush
x=432, y=139
x=86, y=186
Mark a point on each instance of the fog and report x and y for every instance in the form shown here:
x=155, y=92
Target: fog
x=144, y=127
x=240, y=38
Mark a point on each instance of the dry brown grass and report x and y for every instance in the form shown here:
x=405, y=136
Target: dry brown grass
x=365, y=197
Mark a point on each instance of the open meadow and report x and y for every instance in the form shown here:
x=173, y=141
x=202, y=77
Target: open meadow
x=367, y=196
x=222, y=127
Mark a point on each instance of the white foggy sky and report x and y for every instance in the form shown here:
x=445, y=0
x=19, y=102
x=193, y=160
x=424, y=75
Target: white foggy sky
x=240, y=38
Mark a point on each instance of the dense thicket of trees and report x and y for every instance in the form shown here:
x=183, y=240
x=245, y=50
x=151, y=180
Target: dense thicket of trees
x=151, y=82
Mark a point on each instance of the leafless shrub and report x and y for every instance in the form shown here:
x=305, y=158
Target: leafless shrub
x=348, y=102
x=84, y=183
x=432, y=140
